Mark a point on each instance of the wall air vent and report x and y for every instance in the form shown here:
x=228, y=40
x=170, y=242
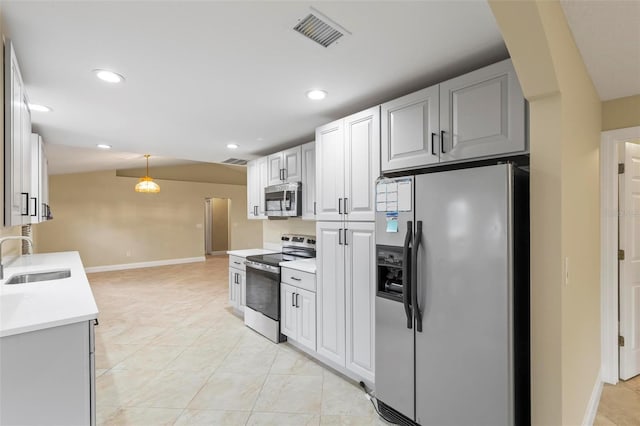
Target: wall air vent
x=236, y=161
x=321, y=29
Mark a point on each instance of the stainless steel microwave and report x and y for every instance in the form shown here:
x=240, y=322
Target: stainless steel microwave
x=283, y=200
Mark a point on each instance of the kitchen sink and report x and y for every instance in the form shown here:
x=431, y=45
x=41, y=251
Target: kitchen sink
x=32, y=277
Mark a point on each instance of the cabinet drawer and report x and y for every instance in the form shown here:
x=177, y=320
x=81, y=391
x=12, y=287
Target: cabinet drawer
x=303, y=280
x=237, y=262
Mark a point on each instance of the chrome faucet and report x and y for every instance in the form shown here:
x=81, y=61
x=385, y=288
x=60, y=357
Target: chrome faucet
x=12, y=238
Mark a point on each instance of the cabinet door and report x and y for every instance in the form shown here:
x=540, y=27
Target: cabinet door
x=482, y=113
x=306, y=318
x=276, y=166
x=252, y=189
x=309, y=181
x=234, y=289
x=410, y=130
x=360, y=298
x=35, y=192
x=263, y=171
x=330, y=171
x=44, y=182
x=14, y=110
x=330, y=291
x=25, y=168
x=362, y=164
x=292, y=164
x=288, y=311
x=242, y=290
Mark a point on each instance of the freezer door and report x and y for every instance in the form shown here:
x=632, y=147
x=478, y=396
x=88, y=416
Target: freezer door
x=394, y=357
x=464, y=356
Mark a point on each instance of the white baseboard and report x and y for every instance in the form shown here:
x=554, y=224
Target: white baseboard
x=217, y=253
x=150, y=264
x=592, y=407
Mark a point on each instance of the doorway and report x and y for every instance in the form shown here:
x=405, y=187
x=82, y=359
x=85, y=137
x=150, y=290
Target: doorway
x=216, y=230
x=620, y=234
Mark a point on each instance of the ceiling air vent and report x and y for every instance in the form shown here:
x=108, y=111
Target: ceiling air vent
x=320, y=29
x=236, y=161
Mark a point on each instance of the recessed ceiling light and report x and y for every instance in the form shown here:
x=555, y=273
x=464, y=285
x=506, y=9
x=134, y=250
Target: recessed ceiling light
x=109, y=76
x=103, y=146
x=39, y=108
x=316, y=94
x=232, y=145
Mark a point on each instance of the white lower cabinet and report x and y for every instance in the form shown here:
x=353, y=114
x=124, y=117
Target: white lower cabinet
x=237, y=283
x=298, y=307
x=298, y=320
x=346, y=277
x=48, y=376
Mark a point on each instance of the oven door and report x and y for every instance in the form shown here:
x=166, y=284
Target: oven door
x=263, y=289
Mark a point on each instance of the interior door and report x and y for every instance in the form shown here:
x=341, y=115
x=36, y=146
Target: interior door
x=630, y=266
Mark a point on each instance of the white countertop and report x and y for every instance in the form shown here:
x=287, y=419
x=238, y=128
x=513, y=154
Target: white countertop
x=304, y=265
x=39, y=305
x=250, y=252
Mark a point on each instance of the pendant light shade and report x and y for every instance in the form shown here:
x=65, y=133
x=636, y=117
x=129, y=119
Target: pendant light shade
x=146, y=183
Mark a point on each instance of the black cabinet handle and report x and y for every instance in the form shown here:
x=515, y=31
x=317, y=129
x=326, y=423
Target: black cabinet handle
x=297, y=305
x=25, y=212
x=442, y=141
x=345, y=236
x=293, y=300
x=95, y=322
x=34, y=211
x=339, y=205
x=433, y=146
x=340, y=236
x=345, y=206
x=296, y=279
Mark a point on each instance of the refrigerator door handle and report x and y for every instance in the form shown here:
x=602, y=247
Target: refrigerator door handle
x=406, y=279
x=414, y=276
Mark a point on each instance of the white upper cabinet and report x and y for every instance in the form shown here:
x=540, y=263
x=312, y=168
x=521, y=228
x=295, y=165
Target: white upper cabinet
x=410, y=130
x=330, y=170
x=285, y=166
x=362, y=164
x=347, y=165
x=477, y=115
x=309, y=181
x=482, y=113
x=17, y=136
x=256, y=182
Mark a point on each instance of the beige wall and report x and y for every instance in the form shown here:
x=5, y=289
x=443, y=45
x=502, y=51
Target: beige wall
x=10, y=247
x=620, y=113
x=273, y=229
x=565, y=114
x=220, y=224
x=100, y=215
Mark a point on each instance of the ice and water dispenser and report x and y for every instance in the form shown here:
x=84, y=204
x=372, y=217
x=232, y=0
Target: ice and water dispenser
x=390, y=272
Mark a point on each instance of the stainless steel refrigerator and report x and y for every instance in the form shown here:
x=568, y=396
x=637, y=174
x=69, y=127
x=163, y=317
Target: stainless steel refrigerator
x=452, y=302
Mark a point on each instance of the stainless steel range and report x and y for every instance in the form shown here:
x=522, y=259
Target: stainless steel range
x=262, y=310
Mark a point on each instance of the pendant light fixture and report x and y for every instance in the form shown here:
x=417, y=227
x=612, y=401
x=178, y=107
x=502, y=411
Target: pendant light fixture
x=146, y=184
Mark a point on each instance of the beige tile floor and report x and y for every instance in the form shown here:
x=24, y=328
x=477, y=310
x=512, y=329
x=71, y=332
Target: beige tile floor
x=620, y=404
x=169, y=351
